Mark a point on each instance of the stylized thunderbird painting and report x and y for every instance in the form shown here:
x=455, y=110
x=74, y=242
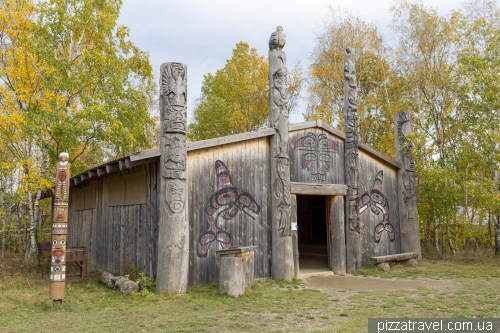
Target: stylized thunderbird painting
x=378, y=203
x=225, y=204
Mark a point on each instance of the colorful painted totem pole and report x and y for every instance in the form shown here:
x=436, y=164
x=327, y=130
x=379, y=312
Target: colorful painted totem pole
x=351, y=163
x=59, y=229
x=282, y=259
x=173, y=233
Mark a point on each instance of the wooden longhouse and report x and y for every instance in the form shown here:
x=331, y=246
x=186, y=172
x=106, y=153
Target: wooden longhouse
x=295, y=191
x=114, y=207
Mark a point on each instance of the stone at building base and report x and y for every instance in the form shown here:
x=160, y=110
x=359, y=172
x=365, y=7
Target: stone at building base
x=413, y=262
x=236, y=270
x=385, y=266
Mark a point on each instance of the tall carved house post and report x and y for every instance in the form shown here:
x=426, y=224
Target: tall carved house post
x=173, y=233
x=282, y=252
x=60, y=204
x=407, y=191
x=353, y=245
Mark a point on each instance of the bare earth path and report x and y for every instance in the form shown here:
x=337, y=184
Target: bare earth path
x=332, y=284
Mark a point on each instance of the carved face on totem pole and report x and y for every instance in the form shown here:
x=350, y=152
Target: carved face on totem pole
x=173, y=88
x=61, y=190
x=175, y=196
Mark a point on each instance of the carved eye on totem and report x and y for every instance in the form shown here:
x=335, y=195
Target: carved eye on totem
x=64, y=209
x=63, y=242
x=54, y=242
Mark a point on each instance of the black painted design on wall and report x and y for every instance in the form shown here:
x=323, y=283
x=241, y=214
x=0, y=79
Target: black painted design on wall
x=378, y=203
x=318, y=154
x=225, y=203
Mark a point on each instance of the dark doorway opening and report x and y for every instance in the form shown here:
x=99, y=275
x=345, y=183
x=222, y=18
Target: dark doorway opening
x=312, y=233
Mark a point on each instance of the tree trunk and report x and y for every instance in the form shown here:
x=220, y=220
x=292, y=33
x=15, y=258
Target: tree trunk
x=496, y=225
x=36, y=214
x=452, y=248
x=436, y=238
x=31, y=248
x=477, y=247
x=3, y=216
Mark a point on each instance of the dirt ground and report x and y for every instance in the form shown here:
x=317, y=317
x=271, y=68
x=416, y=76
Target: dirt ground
x=332, y=284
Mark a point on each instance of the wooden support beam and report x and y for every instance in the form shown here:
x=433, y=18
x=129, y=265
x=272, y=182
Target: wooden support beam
x=101, y=172
x=92, y=173
x=112, y=168
x=127, y=163
x=84, y=177
x=394, y=257
x=121, y=165
x=318, y=189
x=77, y=181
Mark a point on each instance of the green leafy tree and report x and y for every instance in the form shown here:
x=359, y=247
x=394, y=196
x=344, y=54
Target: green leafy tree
x=236, y=98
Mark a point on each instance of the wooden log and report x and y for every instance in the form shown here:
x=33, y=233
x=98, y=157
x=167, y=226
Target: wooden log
x=394, y=257
x=407, y=191
x=173, y=226
x=337, y=226
x=318, y=189
x=232, y=276
x=282, y=251
x=351, y=160
x=295, y=237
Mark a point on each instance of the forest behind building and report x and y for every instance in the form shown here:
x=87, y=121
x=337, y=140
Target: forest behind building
x=71, y=80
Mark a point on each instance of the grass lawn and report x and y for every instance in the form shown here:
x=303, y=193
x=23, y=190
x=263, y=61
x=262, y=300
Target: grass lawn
x=270, y=306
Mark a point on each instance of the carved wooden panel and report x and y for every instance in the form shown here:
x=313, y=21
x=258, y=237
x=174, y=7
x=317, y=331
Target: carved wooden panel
x=316, y=156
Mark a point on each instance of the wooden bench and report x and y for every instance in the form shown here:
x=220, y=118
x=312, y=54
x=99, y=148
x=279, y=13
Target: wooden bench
x=381, y=260
x=78, y=255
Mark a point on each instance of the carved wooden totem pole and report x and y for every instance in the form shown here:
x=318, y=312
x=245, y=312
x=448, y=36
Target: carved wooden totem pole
x=353, y=248
x=282, y=258
x=59, y=229
x=407, y=191
x=173, y=233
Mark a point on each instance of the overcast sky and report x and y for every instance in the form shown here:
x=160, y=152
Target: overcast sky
x=202, y=33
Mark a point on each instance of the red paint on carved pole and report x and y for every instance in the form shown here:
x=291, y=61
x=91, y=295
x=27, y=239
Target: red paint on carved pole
x=59, y=229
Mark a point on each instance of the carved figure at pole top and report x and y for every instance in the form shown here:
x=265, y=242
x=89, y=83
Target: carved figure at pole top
x=351, y=142
x=278, y=89
x=173, y=90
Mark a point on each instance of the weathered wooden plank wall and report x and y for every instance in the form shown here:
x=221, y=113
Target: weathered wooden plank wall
x=370, y=167
x=315, y=147
x=118, y=235
x=248, y=163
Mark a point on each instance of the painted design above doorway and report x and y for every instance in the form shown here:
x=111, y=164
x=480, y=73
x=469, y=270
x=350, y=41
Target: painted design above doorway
x=378, y=203
x=318, y=154
x=225, y=203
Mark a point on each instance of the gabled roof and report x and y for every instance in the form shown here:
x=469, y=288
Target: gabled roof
x=152, y=155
